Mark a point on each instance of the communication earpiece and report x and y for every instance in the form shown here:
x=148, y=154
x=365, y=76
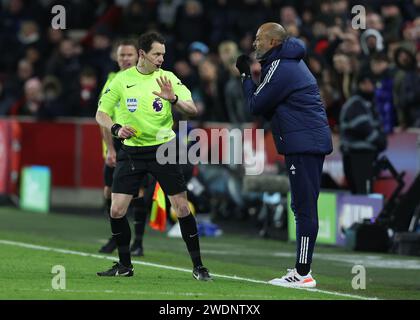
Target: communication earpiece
x=142, y=53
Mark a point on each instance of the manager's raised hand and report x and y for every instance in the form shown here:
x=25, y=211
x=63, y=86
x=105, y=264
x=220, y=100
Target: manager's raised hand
x=243, y=64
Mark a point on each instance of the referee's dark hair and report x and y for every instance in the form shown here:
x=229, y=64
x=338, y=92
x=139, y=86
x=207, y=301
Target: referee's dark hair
x=146, y=40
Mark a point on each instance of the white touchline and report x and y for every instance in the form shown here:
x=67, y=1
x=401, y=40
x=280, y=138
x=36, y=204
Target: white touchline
x=85, y=254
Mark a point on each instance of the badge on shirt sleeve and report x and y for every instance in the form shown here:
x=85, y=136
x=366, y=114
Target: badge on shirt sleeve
x=131, y=104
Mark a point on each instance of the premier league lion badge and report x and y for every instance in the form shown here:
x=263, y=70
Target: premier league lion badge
x=157, y=105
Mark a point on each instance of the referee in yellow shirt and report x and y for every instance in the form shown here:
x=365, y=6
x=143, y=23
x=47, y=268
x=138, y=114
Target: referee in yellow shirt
x=127, y=57
x=145, y=95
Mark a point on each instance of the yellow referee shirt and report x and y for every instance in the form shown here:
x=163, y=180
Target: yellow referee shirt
x=129, y=97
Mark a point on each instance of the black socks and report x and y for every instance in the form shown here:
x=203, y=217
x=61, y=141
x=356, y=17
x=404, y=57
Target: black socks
x=189, y=232
x=140, y=215
x=122, y=235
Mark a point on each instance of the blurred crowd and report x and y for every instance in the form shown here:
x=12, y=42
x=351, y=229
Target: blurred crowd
x=49, y=73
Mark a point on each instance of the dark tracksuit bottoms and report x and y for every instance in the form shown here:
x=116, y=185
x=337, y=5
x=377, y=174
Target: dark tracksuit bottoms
x=305, y=182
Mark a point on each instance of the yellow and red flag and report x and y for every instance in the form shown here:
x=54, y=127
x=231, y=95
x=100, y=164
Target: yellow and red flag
x=158, y=213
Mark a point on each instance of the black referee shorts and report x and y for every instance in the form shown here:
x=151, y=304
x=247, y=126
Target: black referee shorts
x=108, y=174
x=109, y=177
x=109, y=171
x=133, y=163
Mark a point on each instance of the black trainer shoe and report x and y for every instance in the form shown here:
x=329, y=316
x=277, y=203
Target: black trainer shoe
x=201, y=273
x=109, y=247
x=117, y=270
x=137, y=250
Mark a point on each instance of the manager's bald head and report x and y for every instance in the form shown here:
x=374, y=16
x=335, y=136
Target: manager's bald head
x=268, y=35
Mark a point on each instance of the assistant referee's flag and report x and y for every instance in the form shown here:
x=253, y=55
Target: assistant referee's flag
x=158, y=214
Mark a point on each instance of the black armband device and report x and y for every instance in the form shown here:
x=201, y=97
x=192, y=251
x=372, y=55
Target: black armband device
x=115, y=128
x=175, y=101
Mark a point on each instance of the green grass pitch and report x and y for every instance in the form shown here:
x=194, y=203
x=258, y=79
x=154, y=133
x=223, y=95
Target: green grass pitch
x=31, y=244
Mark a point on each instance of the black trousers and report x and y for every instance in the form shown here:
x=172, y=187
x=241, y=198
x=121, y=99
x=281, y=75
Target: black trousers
x=305, y=172
x=359, y=171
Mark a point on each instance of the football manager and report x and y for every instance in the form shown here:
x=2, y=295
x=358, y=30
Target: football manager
x=289, y=97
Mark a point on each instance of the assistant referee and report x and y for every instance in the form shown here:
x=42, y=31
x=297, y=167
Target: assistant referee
x=145, y=95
